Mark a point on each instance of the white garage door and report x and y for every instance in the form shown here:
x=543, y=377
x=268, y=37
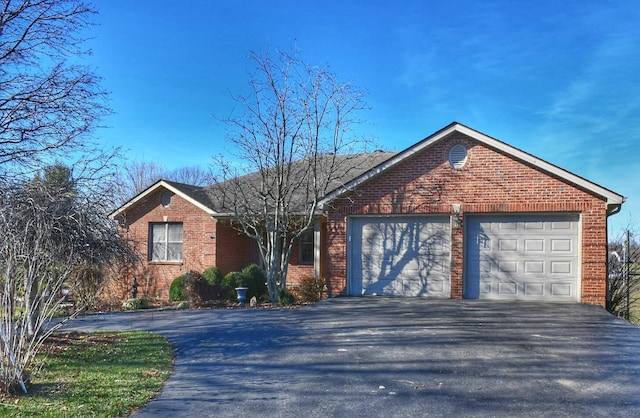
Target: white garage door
x=532, y=257
x=399, y=256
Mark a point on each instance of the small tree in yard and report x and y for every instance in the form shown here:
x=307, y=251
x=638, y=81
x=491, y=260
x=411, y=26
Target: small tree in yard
x=53, y=226
x=54, y=236
x=295, y=143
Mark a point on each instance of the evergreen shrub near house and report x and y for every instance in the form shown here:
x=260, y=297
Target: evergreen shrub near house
x=176, y=290
x=232, y=280
x=250, y=277
x=255, y=281
x=213, y=275
x=135, y=304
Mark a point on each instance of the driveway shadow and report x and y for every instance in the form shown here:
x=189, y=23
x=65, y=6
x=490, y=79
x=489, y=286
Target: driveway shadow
x=376, y=356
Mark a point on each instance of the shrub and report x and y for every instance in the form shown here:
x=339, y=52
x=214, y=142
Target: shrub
x=213, y=275
x=285, y=298
x=231, y=281
x=199, y=291
x=134, y=304
x=254, y=279
x=176, y=290
x=311, y=288
x=234, y=279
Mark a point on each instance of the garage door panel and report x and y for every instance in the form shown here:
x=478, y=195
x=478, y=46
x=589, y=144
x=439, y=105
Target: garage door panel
x=400, y=256
x=523, y=257
x=534, y=289
x=561, y=245
x=533, y=245
x=534, y=267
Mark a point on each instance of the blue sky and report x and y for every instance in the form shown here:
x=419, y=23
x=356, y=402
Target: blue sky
x=558, y=79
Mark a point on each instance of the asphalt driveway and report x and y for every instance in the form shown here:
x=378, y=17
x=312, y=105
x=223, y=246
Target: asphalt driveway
x=374, y=356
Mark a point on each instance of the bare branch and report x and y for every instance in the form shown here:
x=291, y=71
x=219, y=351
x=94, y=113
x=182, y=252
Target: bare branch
x=47, y=105
x=294, y=138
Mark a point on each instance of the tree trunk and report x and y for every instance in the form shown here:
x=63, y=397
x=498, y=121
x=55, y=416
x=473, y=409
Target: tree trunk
x=32, y=307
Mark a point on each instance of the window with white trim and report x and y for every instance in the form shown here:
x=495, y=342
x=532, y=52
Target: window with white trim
x=305, y=247
x=165, y=241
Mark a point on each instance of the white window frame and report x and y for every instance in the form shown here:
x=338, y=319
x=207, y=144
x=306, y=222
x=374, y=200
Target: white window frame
x=166, y=243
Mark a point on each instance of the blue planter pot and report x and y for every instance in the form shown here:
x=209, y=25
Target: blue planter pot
x=242, y=295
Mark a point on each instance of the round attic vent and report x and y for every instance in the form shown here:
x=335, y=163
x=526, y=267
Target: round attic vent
x=458, y=156
x=165, y=199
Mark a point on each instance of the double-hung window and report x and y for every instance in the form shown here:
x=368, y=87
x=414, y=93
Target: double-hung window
x=165, y=241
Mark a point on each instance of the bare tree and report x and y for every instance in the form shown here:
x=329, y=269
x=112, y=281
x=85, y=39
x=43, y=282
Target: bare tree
x=137, y=175
x=56, y=222
x=623, y=290
x=193, y=175
x=48, y=102
x=292, y=142
x=53, y=228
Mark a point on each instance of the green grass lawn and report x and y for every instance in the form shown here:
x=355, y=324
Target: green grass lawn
x=107, y=374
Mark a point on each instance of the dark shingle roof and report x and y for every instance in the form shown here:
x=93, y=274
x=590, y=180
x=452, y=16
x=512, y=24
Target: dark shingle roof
x=197, y=193
x=345, y=169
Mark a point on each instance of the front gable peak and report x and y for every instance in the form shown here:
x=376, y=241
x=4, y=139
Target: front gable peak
x=457, y=158
x=192, y=194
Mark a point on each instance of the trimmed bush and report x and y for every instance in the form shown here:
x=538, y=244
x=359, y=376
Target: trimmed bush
x=255, y=280
x=176, y=290
x=234, y=279
x=311, y=288
x=213, y=275
x=134, y=304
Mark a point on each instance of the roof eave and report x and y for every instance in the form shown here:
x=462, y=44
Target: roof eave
x=159, y=184
x=612, y=199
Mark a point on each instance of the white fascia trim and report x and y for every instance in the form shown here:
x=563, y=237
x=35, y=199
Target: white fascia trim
x=611, y=197
x=386, y=165
x=153, y=188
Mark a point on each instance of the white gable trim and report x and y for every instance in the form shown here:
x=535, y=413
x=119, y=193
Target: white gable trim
x=158, y=185
x=612, y=198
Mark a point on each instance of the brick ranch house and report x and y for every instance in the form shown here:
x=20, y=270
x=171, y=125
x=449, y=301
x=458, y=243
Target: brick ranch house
x=457, y=215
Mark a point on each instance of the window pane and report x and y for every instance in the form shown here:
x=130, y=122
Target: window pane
x=174, y=252
x=158, y=232
x=175, y=232
x=158, y=251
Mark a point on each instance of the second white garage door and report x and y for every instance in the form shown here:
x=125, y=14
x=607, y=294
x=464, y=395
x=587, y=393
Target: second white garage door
x=530, y=257
x=399, y=256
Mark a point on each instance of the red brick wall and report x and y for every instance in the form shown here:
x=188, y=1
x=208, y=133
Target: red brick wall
x=490, y=182
x=296, y=270
x=235, y=251
x=206, y=243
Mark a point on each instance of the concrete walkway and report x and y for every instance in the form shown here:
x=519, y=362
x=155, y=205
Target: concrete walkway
x=401, y=357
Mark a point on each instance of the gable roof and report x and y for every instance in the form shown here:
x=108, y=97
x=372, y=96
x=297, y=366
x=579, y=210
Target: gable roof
x=362, y=167
x=192, y=194
x=614, y=200
x=207, y=198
